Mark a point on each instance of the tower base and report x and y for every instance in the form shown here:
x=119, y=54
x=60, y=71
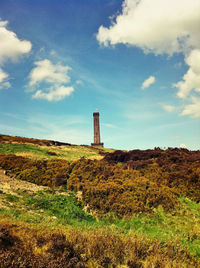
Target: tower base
x=97, y=144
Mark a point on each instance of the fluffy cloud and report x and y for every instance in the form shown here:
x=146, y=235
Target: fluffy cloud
x=55, y=76
x=11, y=47
x=161, y=27
x=54, y=94
x=157, y=26
x=192, y=109
x=191, y=80
x=149, y=81
x=45, y=71
x=168, y=108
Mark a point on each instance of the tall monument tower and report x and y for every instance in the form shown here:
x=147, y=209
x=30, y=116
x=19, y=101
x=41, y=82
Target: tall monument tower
x=97, y=142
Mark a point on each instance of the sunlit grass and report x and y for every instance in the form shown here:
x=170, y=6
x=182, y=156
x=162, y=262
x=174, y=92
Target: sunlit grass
x=46, y=208
x=183, y=225
x=70, y=153
x=9, y=148
x=61, y=209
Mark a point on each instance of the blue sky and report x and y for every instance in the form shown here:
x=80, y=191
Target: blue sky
x=137, y=62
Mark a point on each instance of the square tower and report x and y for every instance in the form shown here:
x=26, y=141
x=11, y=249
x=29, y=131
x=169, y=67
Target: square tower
x=97, y=142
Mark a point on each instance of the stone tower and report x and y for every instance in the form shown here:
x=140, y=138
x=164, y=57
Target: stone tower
x=97, y=142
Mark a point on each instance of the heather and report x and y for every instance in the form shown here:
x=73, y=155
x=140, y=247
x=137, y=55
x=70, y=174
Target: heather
x=120, y=183
x=129, y=209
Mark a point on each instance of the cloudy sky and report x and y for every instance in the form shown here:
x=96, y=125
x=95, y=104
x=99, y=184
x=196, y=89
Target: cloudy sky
x=136, y=61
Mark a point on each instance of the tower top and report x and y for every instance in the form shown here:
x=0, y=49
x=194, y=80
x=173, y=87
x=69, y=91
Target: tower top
x=96, y=114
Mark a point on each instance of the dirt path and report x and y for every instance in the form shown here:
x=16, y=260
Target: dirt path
x=10, y=185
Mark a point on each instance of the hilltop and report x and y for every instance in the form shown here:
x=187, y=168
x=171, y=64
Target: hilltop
x=48, y=149
x=82, y=206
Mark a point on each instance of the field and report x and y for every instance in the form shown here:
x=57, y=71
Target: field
x=120, y=209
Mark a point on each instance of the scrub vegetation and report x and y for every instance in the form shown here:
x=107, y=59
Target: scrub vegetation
x=129, y=209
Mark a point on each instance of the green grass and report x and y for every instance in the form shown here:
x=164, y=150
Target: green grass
x=53, y=209
x=9, y=148
x=47, y=208
x=70, y=153
x=64, y=208
x=183, y=225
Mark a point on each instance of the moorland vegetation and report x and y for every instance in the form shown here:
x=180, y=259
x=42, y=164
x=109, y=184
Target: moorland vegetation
x=136, y=208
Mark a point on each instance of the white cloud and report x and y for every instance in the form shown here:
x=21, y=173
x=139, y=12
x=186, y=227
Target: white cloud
x=190, y=83
x=161, y=27
x=11, y=47
x=54, y=94
x=3, y=76
x=5, y=85
x=168, y=108
x=55, y=76
x=193, y=109
x=157, y=26
x=47, y=72
x=149, y=81
x=191, y=80
x=182, y=145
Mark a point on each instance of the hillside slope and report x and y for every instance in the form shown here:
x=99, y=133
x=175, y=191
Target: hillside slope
x=48, y=149
x=41, y=228
x=127, y=209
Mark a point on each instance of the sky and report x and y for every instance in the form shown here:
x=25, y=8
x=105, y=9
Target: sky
x=136, y=61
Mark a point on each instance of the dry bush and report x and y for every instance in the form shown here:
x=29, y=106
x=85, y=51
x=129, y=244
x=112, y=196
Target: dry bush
x=171, y=155
x=107, y=188
x=39, y=251
x=179, y=169
x=30, y=247
x=150, y=179
x=48, y=173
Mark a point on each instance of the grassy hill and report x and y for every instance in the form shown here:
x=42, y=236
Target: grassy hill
x=63, y=205
x=44, y=149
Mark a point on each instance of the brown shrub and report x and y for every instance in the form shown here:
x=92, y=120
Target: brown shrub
x=178, y=169
x=48, y=173
x=171, y=155
x=135, y=186
x=21, y=253
x=109, y=188
x=72, y=248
